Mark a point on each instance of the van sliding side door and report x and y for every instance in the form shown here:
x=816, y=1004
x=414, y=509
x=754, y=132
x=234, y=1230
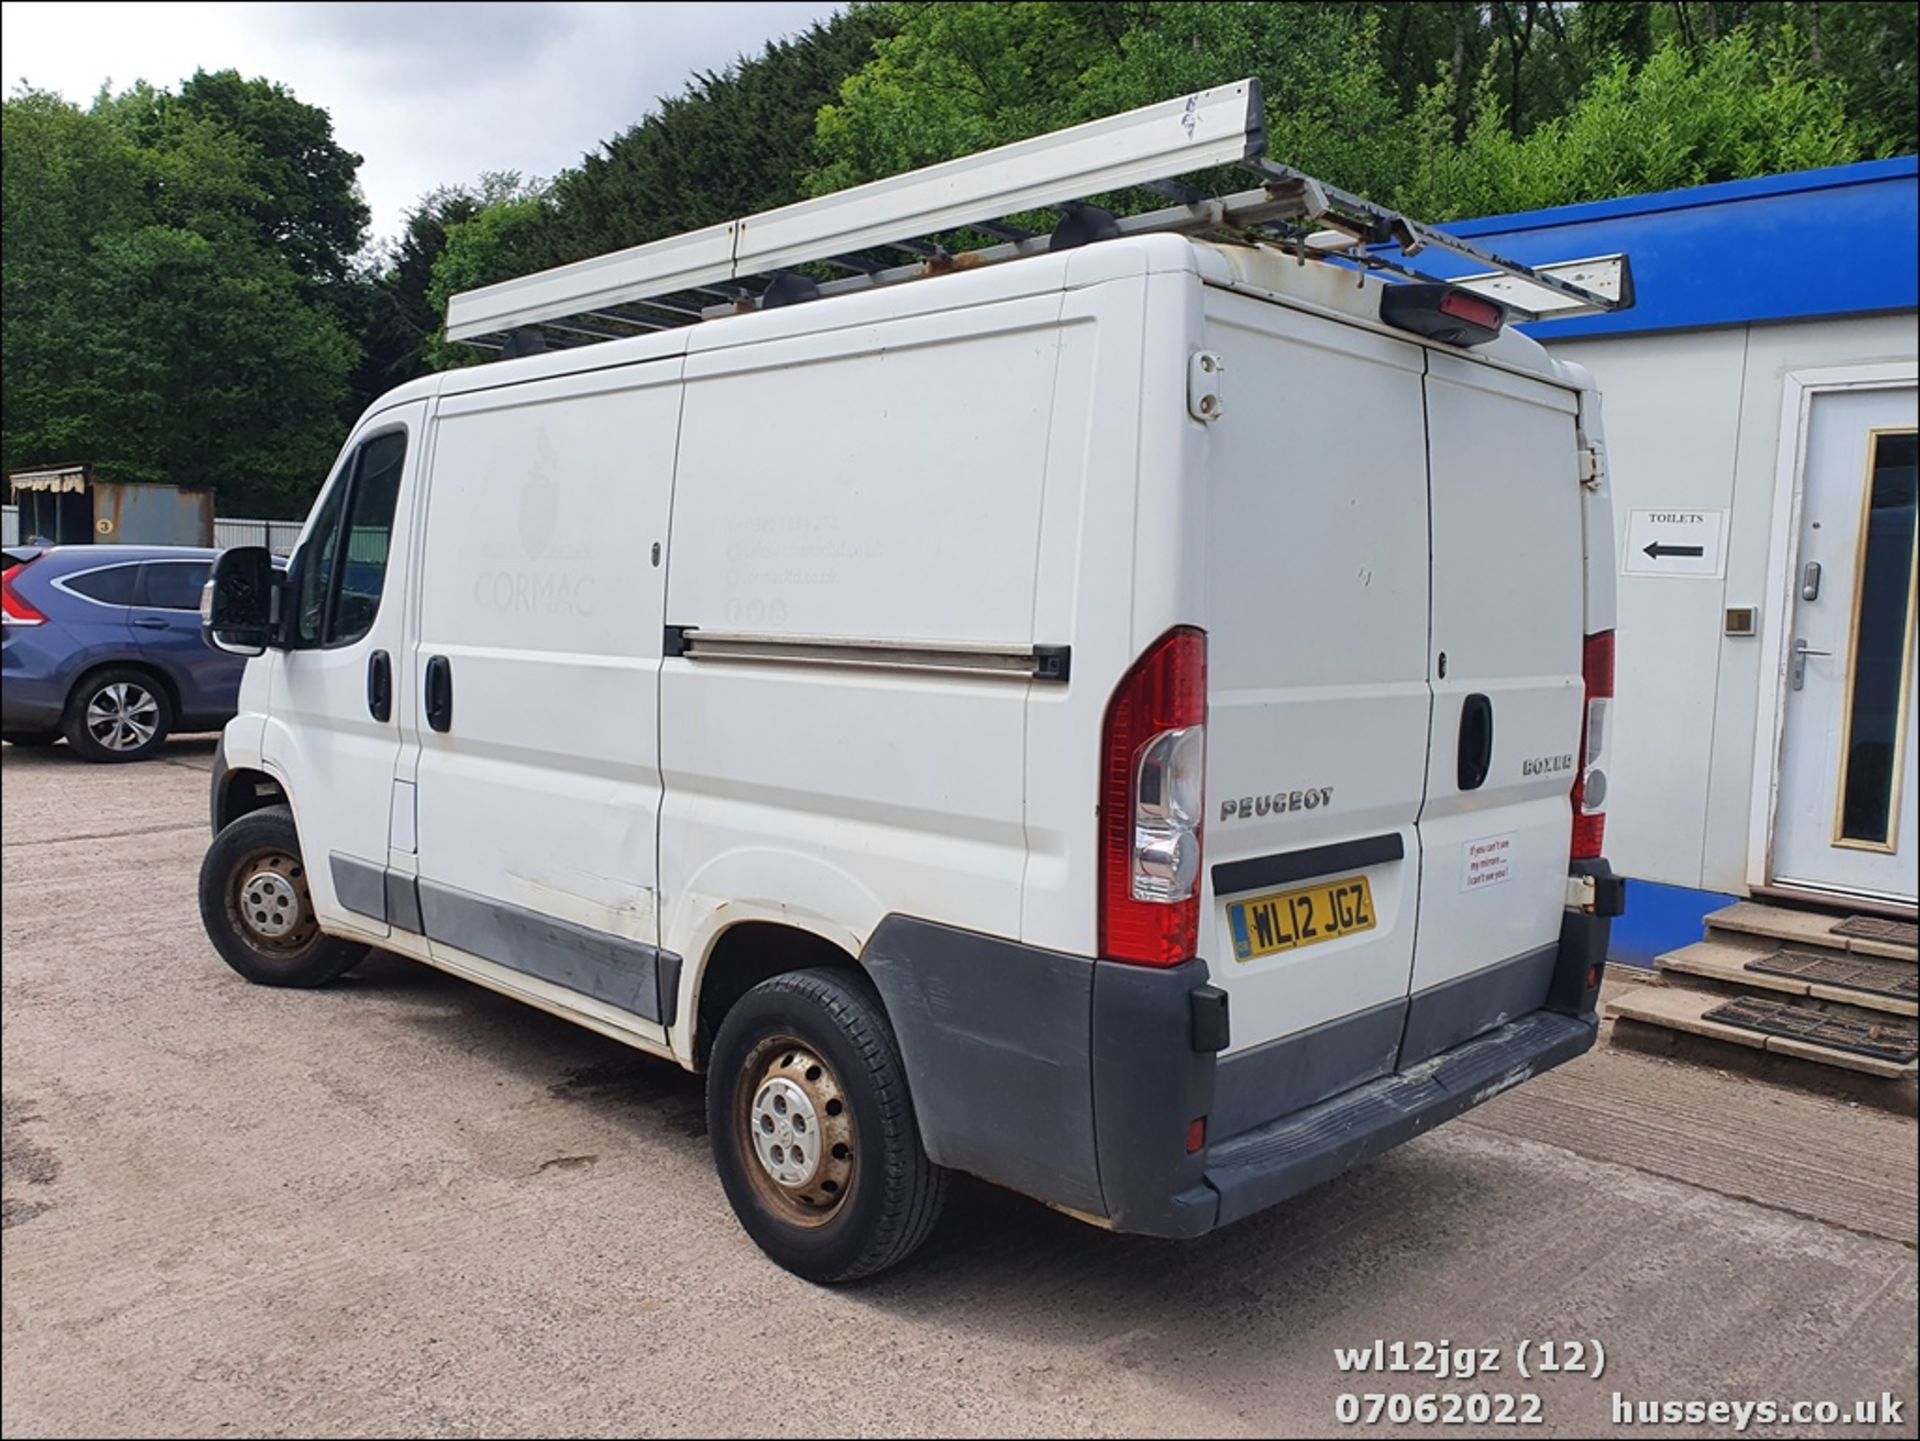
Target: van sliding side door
x=536, y=675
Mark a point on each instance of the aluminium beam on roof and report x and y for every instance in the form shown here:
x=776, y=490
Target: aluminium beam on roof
x=1222, y=126
x=680, y=262
x=1142, y=149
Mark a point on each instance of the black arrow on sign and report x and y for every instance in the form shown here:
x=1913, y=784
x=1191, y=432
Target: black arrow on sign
x=1656, y=550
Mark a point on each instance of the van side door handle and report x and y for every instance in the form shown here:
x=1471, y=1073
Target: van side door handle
x=1476, y=742
x=439, y=693
x=380, y=686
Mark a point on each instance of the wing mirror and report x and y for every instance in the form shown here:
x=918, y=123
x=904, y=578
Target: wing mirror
x=239, y=605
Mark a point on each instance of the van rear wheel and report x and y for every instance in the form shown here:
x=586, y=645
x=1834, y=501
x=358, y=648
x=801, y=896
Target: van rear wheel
x=258, y=912
x=813, y=1129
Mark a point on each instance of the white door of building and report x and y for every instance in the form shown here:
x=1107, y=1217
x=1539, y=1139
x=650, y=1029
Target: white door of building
x=1844, y=820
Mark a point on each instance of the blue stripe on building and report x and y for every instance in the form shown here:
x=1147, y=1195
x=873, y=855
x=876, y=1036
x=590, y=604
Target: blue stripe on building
x=1838, y=241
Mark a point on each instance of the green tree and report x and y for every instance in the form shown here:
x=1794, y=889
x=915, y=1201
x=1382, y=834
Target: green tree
x=395, y=317
x=149, y=327
x=1520, y=105
x=511, y=233
x=733, y=142
x=306, y=196
x=1740, y=109
x=1867, y=46
x=953, y=79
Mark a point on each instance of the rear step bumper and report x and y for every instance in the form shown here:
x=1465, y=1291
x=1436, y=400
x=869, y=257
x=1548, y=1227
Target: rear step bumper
x=1266, y=1165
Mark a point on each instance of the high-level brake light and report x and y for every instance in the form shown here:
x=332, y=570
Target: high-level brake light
x=1442, y=312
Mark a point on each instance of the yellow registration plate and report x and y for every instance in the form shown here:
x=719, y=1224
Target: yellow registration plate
x=1325, y=911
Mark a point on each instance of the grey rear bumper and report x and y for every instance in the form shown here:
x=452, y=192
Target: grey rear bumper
x=1266, y=1165
x=1076, y=1081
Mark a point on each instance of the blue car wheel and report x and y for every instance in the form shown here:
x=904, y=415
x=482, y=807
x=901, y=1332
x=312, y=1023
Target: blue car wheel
x=118, y=714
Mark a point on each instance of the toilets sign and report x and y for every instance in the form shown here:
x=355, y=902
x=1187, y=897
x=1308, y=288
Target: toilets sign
x=1683, y=543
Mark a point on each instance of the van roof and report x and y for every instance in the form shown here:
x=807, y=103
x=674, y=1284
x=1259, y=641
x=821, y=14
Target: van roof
x=1319, y=285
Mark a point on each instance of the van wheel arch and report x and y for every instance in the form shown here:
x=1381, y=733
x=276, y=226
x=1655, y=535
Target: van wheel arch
x=747, y=953
x=244, y=790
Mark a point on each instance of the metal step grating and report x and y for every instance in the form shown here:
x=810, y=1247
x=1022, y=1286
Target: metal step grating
x=1872, y=928
x=1895, y=1041
x=1880, y=978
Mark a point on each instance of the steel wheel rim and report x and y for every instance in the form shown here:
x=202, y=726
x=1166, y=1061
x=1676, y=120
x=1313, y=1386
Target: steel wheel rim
x=123, y=716
x=269, y=903
x=794, y=1128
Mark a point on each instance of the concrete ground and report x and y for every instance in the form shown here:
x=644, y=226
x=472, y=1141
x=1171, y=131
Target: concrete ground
x=409, y=1206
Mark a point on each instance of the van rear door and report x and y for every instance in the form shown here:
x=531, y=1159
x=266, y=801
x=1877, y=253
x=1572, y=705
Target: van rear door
x=1508, y=696
x=1318, y=699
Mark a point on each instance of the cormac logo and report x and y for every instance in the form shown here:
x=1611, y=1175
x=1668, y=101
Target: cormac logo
x=1545, y=765
x=1278, y=803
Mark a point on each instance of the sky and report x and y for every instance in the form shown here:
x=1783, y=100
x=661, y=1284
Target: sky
x=429, y=94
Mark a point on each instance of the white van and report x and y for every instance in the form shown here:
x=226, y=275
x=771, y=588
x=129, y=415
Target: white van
x=1123, y=717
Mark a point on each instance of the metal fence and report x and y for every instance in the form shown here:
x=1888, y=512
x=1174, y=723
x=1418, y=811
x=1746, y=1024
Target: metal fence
x=277, y=535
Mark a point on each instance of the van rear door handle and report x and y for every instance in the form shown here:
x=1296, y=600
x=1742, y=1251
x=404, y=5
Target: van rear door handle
x=1476, y=742
x=380, y=686
x=439, y=693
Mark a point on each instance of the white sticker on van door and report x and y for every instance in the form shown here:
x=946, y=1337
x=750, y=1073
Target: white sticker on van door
x=1486, y=862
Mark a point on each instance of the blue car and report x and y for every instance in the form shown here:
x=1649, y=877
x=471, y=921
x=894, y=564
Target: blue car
x=101, y=644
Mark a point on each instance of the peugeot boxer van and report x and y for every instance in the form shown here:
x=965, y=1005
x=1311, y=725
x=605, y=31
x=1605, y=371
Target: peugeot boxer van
x=1127, y=722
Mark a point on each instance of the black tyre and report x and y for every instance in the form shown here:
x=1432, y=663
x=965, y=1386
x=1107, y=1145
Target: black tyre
x=257, y=910
x=31, y=740
x=118, y=714
x=813, y=1129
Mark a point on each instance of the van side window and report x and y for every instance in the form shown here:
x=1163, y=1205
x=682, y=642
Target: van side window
x=376, y=490
x=342, y=579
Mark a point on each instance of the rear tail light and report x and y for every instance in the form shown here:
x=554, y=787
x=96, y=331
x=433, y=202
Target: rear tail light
x=1152, y=783
x=14, y=610
x=1596, y=741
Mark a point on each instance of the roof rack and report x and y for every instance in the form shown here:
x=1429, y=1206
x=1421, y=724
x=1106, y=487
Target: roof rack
x=927, y=221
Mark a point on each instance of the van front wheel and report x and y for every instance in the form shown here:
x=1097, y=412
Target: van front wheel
x=813, y=1129
x=257, y=910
